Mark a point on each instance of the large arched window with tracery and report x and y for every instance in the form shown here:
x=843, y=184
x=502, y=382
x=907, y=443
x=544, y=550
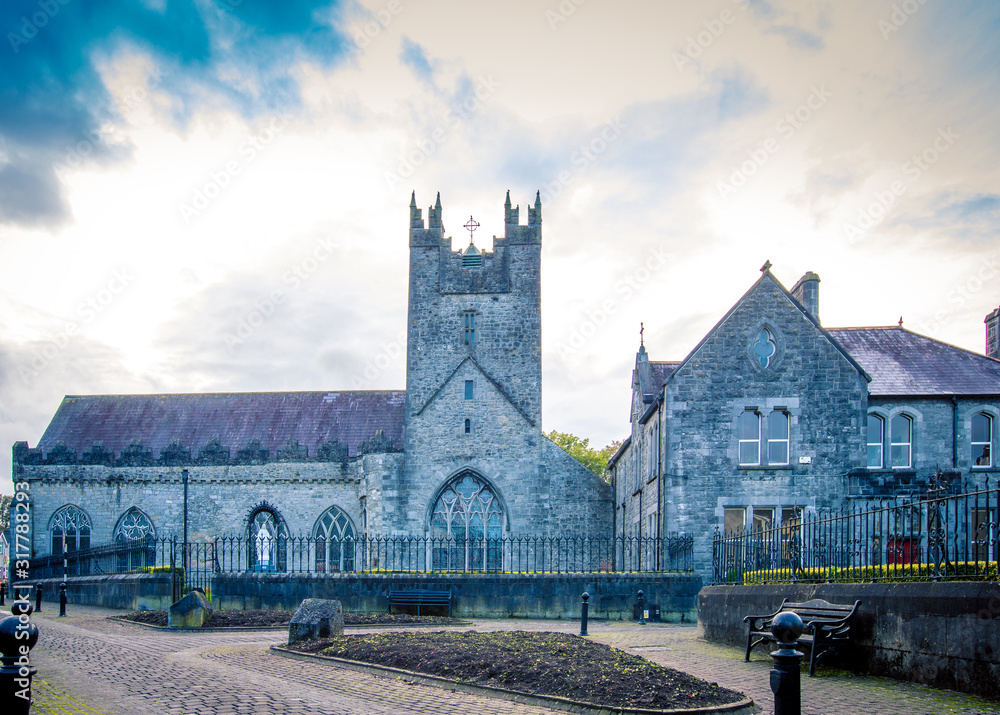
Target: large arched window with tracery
x=268, y=541
x=466, y=526
x=71, y=526
x=334, y=537
x=135, y=536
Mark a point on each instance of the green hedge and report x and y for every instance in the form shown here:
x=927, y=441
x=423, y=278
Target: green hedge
x=961, y=571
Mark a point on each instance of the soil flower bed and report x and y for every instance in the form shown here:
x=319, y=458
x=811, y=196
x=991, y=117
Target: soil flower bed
x=266, y=618
x=557, y=664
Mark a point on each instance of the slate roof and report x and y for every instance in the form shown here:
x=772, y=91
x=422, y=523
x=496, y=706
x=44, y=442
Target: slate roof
x=233, y=418
x=901, y=362
x=661, y=371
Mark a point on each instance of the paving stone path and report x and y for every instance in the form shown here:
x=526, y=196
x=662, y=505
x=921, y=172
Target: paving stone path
x=91, y=666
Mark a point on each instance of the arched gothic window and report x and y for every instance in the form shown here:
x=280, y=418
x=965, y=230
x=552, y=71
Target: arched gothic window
x=466, y=526
x=268, y=541
x=70, y=525
x=134, y=525
x=334, y=536
x=135, y=537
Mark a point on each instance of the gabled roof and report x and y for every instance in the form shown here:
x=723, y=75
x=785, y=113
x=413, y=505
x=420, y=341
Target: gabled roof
x=902, y=362
x=662, y=370
x=766, y=275
x=490, y=378
x=233, y=418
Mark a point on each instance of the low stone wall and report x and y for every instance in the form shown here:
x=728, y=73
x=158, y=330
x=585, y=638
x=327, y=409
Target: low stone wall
x=131, y=592
x=943, y=634
x=612, y=596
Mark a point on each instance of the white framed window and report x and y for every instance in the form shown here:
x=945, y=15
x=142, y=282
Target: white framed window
x=777, y=437
x=734, y=520
x=901, y=441
x=982, y=440
x=876, y=438
x=748, y=430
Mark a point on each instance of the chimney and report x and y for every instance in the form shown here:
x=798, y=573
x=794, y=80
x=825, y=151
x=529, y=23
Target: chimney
x=992, y=335
x=806, y=291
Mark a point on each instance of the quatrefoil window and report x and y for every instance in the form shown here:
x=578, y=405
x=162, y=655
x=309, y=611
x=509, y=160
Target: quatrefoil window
x=764, y=348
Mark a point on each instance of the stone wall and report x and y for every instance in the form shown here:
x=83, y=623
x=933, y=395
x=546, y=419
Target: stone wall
x=612, y=596
x=128, y=592
x=942, y=634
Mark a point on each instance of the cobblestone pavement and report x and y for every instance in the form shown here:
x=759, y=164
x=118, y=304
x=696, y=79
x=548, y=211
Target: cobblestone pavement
x=88, y=665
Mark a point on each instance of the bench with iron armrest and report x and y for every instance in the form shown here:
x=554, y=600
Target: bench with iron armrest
x=828, y=626
x=417, y=597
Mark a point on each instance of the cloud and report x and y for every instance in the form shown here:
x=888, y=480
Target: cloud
x=414, y=57
x=53, y=97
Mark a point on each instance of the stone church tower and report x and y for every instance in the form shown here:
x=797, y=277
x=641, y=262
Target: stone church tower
x=473, y=372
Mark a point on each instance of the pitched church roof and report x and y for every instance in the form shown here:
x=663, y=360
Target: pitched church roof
x=233, y=418
x=901, y=362
x=662, y=370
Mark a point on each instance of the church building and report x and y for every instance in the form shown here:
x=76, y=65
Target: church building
x=460, y=453
x=773, y=418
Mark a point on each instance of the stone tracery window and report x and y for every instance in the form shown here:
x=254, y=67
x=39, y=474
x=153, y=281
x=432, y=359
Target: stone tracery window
x=70, y=524
x=467, y=525
x=135, y=535
x=334, y=537
x=134, y=525
x=268, y=541
x=764, y=348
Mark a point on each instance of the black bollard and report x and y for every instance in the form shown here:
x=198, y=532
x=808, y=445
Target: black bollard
x=38, y=598
x=3, y=590
x=62, y=599
x=584, y=608
x=786, y=680
x=642, y=612
x=16, y=632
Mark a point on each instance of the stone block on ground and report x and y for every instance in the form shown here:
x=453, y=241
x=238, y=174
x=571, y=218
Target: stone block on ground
x=316, y=618
x=192, y=611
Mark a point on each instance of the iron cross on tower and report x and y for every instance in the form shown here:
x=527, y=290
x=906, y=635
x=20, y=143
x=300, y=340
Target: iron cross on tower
x=470, y=226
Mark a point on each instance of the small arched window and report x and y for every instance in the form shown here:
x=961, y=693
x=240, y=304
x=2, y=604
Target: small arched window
x=876, y=437
x=901, y=441
x=982, y=440
x=334, y=536
x=69, y=526
x=267, y=540
x=135, y=538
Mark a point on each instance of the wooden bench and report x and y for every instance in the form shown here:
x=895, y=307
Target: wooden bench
x=417, y=597
x=828, y=626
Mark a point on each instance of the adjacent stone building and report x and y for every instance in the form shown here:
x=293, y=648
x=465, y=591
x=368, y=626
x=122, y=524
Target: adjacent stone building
x=773, y=418
x=460, y=453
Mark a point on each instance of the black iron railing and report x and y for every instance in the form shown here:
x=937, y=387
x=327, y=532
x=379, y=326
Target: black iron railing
x=954, y=537
x=197, y=561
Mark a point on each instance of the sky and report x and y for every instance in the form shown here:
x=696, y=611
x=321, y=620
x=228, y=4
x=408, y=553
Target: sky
x=211, y=195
